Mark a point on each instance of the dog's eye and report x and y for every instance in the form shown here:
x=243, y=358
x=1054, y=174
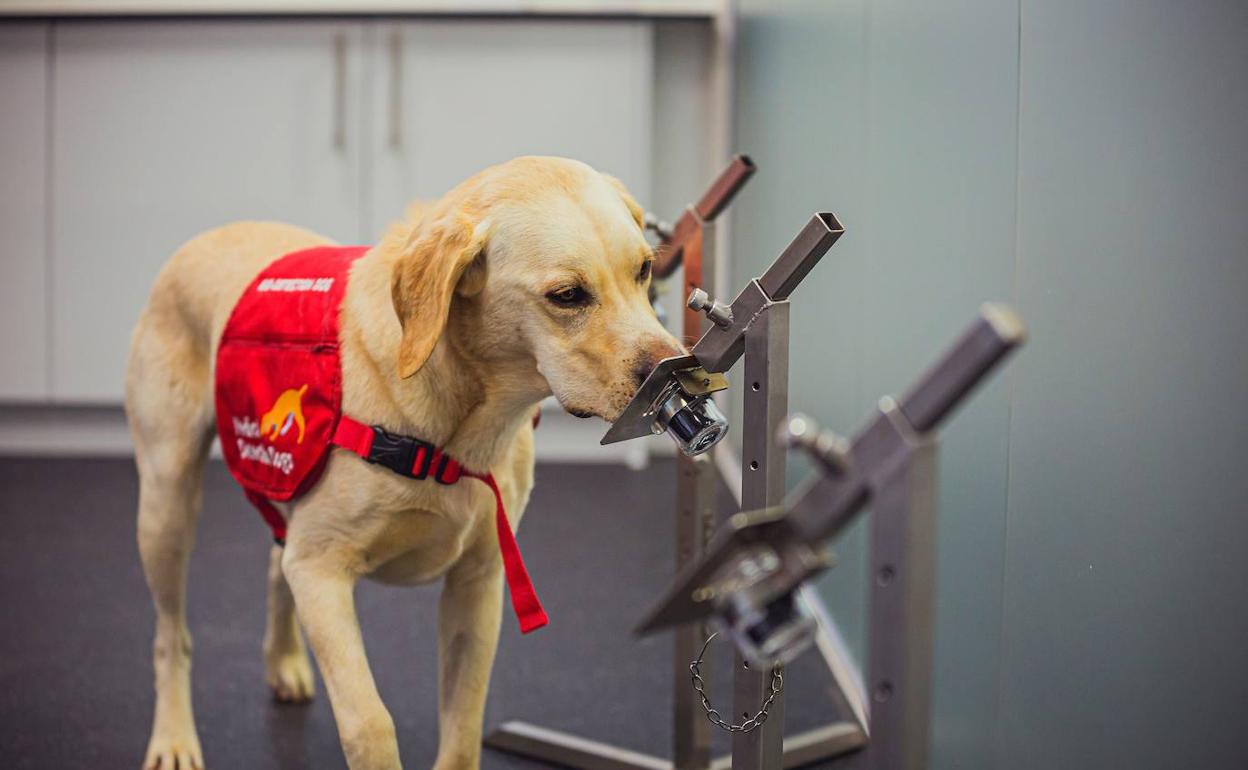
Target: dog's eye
x=572, y=296
x=644, y=272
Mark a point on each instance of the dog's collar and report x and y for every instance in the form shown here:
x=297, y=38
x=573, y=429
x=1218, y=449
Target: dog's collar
x=417, y=459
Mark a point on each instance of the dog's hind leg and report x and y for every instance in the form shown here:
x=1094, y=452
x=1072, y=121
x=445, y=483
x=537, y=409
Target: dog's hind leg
x=168, y=401
x=286, y=666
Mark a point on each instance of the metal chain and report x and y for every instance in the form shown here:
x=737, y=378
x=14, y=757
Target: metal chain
x=699, y=685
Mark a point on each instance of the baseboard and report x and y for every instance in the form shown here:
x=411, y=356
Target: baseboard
x=29, y=430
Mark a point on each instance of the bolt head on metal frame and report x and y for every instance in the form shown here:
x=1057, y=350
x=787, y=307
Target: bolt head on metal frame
x=797, y=429
x=719, y=313
x=657, y=226
x=825, y=447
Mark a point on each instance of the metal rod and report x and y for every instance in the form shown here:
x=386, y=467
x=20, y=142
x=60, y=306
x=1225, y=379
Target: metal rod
x=720, y=347
x=762, y=486
x=801, y=255
x=903, y=557
x=560, y=748
x=695, y=511
x=827, y=504
x=996, y=332
x=700, y=243
x=691, y=731
x=849, y=702
x=725, y=188
x=697, y=215
x=822, y=743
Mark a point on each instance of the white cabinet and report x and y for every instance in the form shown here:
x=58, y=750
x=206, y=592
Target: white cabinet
x=164, y=129
x=23, y=212
x=451, y=97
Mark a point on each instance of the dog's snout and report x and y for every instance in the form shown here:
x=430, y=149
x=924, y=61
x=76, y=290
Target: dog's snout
x=642, y=370
x=650, y=358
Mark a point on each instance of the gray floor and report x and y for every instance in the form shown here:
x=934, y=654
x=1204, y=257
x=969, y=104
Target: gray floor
x=75, y=676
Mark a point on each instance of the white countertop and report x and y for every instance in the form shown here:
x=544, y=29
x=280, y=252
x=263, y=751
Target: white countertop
x=705, y=9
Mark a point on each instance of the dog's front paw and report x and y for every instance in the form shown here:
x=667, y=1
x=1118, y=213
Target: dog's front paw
x=290, y=677
x=174, y=748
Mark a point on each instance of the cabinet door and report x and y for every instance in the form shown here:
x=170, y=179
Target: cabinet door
x=164, y=129
x=452, y=97
x=23, y=211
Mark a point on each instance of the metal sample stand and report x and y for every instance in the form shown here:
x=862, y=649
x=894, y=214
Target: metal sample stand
x=762, y=486
x=756, y=326
x=757, y=561
x=686, y=243
x=696, y=480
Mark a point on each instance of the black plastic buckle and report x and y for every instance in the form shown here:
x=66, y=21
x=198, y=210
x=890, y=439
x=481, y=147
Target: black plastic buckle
x=398, y=453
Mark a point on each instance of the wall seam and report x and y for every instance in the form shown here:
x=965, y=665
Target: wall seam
x=1010, y=386
x=49, y=228
x=366, y=131
x=867, y=192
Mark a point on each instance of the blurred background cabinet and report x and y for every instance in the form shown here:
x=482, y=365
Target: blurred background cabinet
x=453, y=96
x=23, y=211
x=160, y=129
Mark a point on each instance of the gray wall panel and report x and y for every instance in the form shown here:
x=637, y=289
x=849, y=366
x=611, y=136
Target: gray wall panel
x=1085, y=160
x=940, y=241
x=23, y=211
x=1125, y=616
x=800, y=113
x=900, y=117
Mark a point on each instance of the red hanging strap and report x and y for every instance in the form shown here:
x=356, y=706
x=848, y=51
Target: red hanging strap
x=419, y=459
x=524, y=599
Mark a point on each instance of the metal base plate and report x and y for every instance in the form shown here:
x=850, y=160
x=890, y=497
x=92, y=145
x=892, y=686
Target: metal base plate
x=567, y=750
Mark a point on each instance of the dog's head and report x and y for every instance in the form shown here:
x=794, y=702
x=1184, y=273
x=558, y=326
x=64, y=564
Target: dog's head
x=541, y=267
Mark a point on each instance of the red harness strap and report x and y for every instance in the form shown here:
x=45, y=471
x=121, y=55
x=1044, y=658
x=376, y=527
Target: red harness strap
x=278, y=397
x=419, y=459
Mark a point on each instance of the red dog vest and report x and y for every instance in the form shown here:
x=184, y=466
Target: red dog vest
x=279, y=403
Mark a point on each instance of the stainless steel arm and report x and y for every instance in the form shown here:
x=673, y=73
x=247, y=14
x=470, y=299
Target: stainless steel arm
x=721, y=346
x=708, y=208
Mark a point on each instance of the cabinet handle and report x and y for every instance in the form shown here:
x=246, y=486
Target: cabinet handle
x=396, y=89
x=340, y=91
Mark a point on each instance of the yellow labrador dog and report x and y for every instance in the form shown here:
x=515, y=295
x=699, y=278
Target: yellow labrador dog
x=528, y=279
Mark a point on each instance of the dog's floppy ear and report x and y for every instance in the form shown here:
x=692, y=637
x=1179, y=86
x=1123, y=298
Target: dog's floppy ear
x=634, y=208
x=426, y=275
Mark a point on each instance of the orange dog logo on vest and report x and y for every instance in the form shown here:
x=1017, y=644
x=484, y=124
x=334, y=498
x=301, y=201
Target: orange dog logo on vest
x=287, y=411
